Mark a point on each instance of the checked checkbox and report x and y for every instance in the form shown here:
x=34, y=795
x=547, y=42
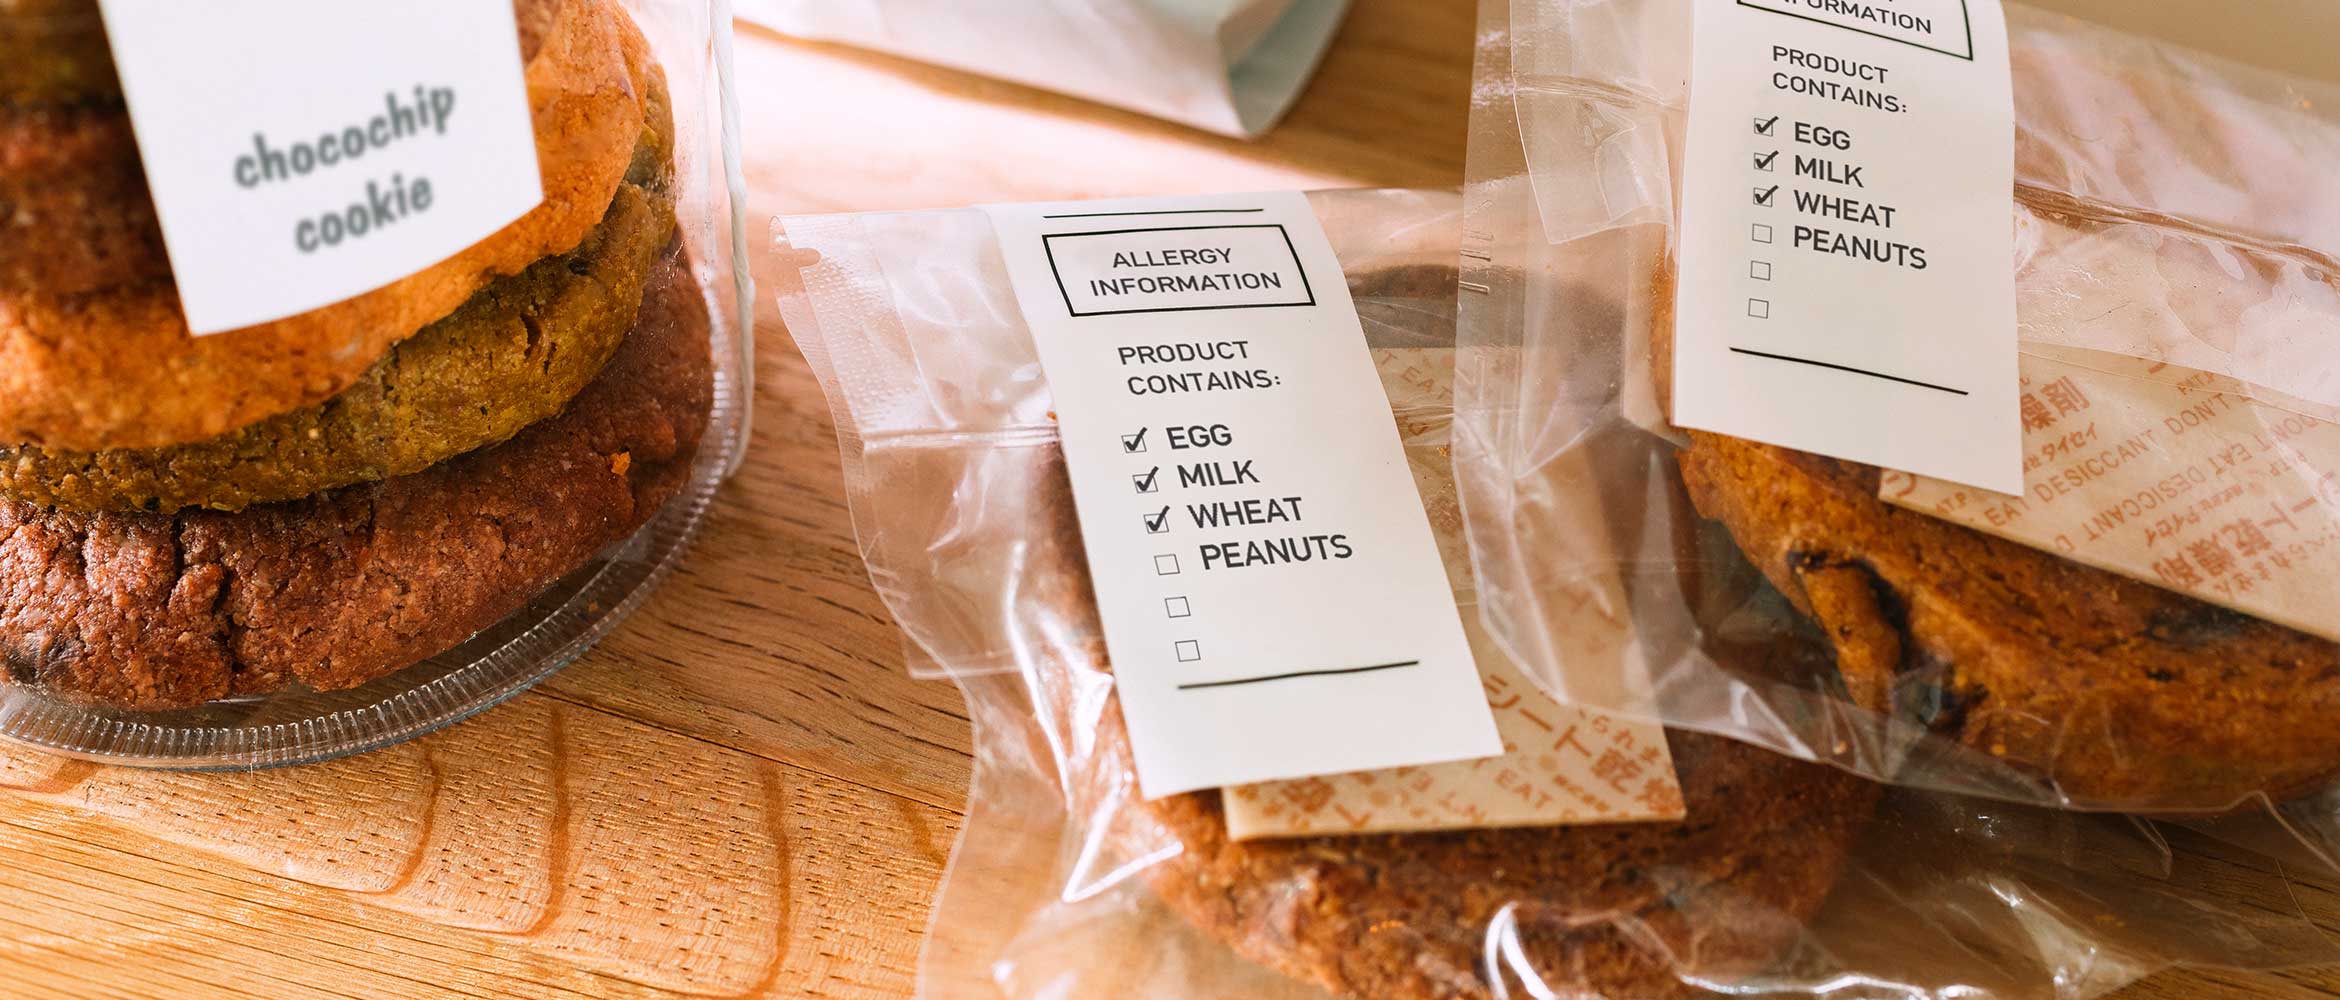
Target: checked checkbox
x=1157, y=524
x=1767, y=127
x=1765, y=196
x=1765, y=161
x=1134, y=444
x=1150, y=482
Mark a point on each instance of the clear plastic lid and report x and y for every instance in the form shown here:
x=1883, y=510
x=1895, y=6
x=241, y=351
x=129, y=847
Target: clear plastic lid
x=312, y=604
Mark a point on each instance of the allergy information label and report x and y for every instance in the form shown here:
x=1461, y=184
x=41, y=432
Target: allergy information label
x=300, y=154
x=1846, y=279
x=1272, y=597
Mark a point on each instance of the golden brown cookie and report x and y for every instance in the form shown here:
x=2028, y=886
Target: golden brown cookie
x=152, y=611
x=1614, y=910
x=74, y=207
x=117, y=368
x=74, y=212
x=73, y=197
x=511, y=356
x=2121, y=693
x=54, y=52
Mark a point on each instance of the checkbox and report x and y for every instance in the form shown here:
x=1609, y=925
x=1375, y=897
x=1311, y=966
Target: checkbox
x=1178, y=607
x=1759, y=308
x=1765, y=196
x=1765, y=161
x=1189, y=650
x=1150, y=482
x=1759, y=270
x=1134, y=444
x=1767, y=126
x=1165, y=565
x=1762, y=233
x=1157, y=524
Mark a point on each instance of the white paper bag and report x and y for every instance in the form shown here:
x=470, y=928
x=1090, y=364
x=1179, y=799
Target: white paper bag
x=1226, y=66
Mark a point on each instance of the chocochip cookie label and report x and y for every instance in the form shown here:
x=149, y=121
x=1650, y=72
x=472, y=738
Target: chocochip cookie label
x=1269, y=586
x=300, y=154
x=2173, y=476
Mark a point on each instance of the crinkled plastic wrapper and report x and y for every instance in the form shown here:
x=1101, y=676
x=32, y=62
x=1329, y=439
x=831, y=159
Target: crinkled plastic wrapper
x=1787, y=879
x=2150, y=628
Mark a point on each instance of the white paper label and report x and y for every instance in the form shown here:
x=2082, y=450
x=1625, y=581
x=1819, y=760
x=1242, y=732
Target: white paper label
x=1847, y=263
x=300, y=153
x=1271, y=593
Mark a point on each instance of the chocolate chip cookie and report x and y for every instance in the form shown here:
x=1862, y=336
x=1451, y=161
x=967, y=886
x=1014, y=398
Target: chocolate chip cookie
x=1618, y=910
x=2120, y=693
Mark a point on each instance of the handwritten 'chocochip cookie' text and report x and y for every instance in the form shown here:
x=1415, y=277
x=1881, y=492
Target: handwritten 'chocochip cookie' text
x=386, y=200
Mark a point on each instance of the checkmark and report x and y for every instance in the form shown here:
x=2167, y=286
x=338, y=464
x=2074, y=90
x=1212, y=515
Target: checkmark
x=1763, y=196
x=1765, y=126
x=1133, y=444
x=1157, y=524
x=1763, y=161
x=1146, y=483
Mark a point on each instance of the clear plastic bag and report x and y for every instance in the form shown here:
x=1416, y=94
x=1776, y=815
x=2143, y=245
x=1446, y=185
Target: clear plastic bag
x=2175, y=232
x=1788, y=879
x=1227, y=66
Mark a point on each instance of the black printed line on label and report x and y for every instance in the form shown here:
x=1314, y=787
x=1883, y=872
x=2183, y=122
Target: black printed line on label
x=1048, y=248
x=1336, y=671
x=1175, y=211
x=1832, y=366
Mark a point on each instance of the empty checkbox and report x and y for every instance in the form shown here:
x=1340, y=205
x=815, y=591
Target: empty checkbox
x=1189, y=651
x=1759, y=270
x=1178, y=607
x=1165, y=565
x=1759, y=308
x=1762, y=233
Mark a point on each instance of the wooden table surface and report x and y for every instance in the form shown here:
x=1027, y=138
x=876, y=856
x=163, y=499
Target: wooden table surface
x=740, y=794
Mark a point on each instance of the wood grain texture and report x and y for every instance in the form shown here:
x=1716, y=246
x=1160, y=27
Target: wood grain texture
x=740, y=793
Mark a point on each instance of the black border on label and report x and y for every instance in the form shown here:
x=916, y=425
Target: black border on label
x=1049, y=248
x=1965, y=14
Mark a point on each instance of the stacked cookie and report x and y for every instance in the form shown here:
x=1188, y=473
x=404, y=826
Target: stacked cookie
x=324, y=499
